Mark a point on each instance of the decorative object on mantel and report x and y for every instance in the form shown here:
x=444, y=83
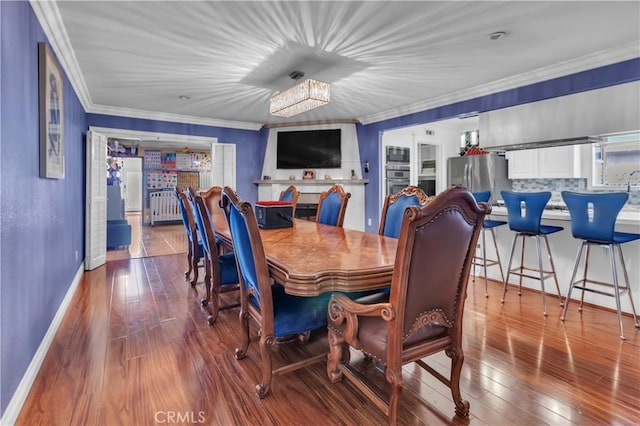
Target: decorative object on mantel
x=266, y=177
x=51, y=104
x=308, y=174
x=302, y=97
x=292, y=177
x=327, y=177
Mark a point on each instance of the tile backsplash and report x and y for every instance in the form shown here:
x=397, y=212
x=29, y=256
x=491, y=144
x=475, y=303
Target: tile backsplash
x=556, y=186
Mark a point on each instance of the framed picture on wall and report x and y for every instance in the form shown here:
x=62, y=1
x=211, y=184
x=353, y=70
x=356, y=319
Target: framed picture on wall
x=51, y=105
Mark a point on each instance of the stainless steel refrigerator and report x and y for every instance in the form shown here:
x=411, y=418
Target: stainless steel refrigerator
x=487, y=172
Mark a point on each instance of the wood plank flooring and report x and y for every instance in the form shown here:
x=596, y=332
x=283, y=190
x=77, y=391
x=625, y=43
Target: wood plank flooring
x=135, y=349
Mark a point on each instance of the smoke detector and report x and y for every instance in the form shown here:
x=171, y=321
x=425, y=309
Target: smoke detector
x=497, y=35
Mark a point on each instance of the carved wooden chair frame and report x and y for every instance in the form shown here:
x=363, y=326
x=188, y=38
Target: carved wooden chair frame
x=390, y=199
x=294, y=202
x=454, y=206
x=212, y=280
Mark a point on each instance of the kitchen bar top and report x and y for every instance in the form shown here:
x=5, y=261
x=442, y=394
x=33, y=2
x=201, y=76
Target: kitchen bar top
x=629, y=215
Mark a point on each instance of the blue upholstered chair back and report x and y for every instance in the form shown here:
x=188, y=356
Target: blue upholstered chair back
x=395, y=211
x=330, y=210
x=482, y=197
x=287, y=195
x=185, y=216
x=524, y=210
x=200, y=225
x=244, y=252
x=600, y=227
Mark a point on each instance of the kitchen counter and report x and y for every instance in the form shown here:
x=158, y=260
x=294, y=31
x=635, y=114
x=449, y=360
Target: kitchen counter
x=628, y=216
x=564, y=248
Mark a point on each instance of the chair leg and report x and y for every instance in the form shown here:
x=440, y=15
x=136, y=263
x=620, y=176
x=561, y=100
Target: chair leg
x=395, y=380
x=336, y=346
x=241, y=351
x=524, y=238
x=626, y=280
x=553, y=269
x=195, y=256
x=572, y=282
x=214, y=300
x=207, y=282
x=457, y=359
x=495, y=245
x=584, y=277
x=616, y=287
x=187, y=273
x=506, y=281
x=262, y=389
x=541, y=271
x=484, y=262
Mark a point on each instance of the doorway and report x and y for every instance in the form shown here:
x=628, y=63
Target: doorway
x=96, y=158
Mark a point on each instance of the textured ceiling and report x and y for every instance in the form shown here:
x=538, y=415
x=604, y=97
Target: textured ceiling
x=383, y=59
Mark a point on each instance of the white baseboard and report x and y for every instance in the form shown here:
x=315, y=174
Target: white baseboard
x=10, y=415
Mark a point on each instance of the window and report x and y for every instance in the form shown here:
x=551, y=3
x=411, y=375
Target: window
x=615, y=160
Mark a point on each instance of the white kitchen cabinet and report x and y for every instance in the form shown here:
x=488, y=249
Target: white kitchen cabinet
x=522, y=164
x=547, y=163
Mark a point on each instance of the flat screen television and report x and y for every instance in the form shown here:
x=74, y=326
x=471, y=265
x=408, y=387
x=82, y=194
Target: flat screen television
x=309, y=149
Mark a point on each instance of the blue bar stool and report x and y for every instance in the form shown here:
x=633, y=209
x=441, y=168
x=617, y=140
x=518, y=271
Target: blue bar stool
x=524, y=210
x=593, y=219
x=483, y=197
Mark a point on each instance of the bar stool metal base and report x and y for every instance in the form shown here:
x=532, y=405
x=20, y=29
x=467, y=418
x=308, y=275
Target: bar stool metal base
x=484, y=262
x=581, y=284
x=542, y=273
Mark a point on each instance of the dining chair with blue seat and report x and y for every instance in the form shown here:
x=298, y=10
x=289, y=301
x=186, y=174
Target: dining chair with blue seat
x=593, y=219
x=195, y=250
x=290, y=194
x=276, y=313
x=332, y=206
x=488, y=224
x=524, y=216
x=221, y=274
x=394, y=206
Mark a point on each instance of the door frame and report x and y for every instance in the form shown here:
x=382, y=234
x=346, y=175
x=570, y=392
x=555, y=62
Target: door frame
x=205, y=143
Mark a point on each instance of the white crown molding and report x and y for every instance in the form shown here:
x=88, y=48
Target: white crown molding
x=583, y=63
x=50, y=20
x=178, y=118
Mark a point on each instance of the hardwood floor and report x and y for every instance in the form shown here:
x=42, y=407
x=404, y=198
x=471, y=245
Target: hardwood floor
x=148, y=241
x=134, y=349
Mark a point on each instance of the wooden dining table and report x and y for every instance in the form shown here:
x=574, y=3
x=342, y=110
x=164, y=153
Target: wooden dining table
x=309, y=258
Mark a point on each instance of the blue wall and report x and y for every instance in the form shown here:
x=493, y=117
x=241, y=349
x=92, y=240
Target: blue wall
x=369, y=135
x=41, y=220
x=250, y=145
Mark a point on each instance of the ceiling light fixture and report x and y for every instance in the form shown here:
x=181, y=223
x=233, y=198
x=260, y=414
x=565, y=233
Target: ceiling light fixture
x=302, y=97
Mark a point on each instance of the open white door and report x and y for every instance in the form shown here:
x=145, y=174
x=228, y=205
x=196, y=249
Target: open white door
x=95, y=246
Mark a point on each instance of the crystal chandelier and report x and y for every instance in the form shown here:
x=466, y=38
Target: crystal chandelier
x=300, y=98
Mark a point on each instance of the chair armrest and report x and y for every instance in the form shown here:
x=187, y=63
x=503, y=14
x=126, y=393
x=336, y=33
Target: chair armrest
x=342, y=309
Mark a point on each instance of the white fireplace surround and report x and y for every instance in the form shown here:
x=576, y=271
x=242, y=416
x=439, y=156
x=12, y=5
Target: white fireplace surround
x=325, y=178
